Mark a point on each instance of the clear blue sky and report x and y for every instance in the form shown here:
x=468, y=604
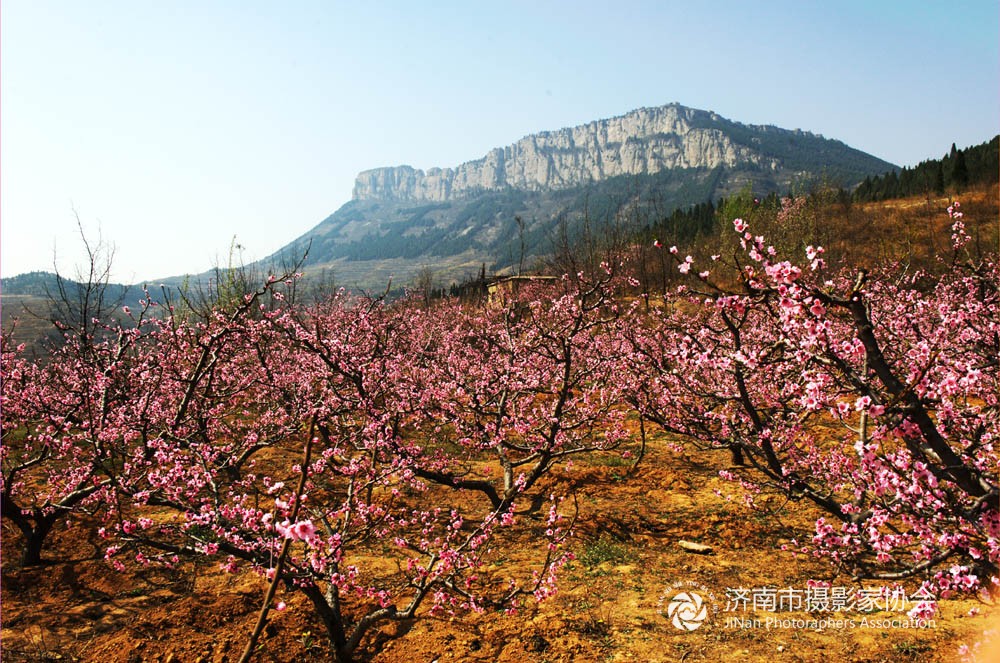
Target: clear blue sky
x=171, y=127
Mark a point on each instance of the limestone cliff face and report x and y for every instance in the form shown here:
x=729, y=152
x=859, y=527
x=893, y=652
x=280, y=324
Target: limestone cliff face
x=644, y=141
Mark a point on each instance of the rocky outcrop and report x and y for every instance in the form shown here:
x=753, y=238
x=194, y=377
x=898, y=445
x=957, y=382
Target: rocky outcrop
x=644, y=141
x=647, y=162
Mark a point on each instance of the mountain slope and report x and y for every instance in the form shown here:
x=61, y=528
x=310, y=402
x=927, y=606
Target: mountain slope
x=454, y=219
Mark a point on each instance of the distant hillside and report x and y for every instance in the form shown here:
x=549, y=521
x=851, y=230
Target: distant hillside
x=34, y=284
x=454, y=219
x=40, y=284
x=975, y=165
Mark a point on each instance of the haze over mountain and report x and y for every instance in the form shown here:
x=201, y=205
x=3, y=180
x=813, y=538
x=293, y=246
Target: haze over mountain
x=454, y=219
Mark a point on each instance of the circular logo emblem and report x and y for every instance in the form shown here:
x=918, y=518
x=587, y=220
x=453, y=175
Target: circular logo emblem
x=687, y=611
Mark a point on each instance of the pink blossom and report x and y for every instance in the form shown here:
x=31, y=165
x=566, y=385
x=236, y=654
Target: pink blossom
x=303, y=530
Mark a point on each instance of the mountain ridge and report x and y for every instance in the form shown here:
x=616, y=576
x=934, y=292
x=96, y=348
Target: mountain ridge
x=641, y=142
x=651, y=160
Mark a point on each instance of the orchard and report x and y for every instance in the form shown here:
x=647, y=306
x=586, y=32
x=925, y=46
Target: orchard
x=382, y=460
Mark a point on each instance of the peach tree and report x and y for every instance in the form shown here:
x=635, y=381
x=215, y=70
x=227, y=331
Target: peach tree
x=380, y=461
x=872, y=395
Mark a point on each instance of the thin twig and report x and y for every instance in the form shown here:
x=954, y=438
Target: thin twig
x=286, y=544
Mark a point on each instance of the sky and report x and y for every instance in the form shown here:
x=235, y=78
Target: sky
x=172, y=131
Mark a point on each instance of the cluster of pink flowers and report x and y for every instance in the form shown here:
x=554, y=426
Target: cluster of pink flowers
x=395, y=405
x=901, y=367
x=418, y=433
x=303, y=530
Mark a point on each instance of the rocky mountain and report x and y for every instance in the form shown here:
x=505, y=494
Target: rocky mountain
x=643, y=142
x=402, y=218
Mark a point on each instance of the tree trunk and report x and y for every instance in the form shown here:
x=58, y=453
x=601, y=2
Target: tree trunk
x=34, y=539
x=34, y=528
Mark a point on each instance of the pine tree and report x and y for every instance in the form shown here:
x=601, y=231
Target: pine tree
x=939, y=179
x=960, y=173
